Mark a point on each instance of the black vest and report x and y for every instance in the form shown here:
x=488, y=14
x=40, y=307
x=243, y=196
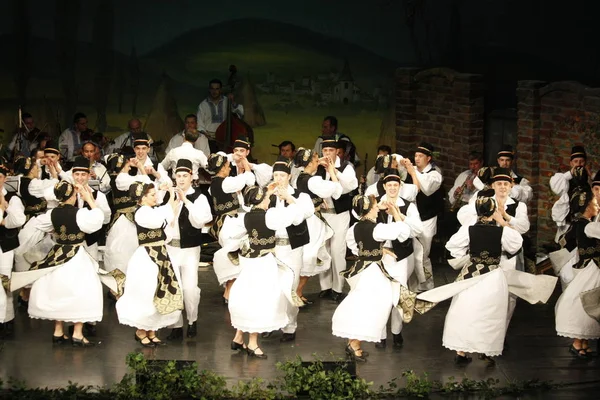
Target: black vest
x=511, y=210
x=45, y=174
x=91, y=238
x=120, y=198
x=9, y=238
x=344, y=203
x=588, y=248
x=302, y=186
x=33, y=205
x=188, y=235
x=429, y=206
x=298, y=234
x=222, y=202
x=485, y=245
x=64, y=221
x=369, y=249
x=147, y=236
x=260, y=237
x=518, y=179
x=133, y=171
x=401, y=249
x=568, y=240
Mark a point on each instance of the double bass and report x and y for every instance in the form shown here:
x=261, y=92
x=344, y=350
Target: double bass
x=233, y=127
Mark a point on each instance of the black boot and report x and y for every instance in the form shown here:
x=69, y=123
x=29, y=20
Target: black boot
x=89, y=329
x=192, y=330
x=398, y=340
x=288, y=337
x=382, y=344
x=176, y=334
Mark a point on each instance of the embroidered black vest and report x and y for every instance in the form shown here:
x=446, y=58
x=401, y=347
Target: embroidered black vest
x=401, y=249
x=485, y=249
x=148, y=236
x=9, y=238
x=223, y=202
x=33, y=205
x=298, y=234
x=120, y=198
x=261, y=238
x=64, y=221
x=429, y=206
x=369, y=249
x=188, y=235
x=92, y=238
x=344, y=203
x=588, y=248
x=302, y=186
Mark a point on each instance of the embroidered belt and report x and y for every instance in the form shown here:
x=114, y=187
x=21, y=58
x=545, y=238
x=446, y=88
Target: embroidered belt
x=175, y=243
x=152, y=244
x=282, y=242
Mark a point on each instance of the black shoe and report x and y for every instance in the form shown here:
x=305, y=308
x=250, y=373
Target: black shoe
x=325, y=294
x=237, y=346
x=351, y=353
x=252, y=353
x=59, y=339
x=192, y=330
x=176, y=334
x=89, y=329
x=490, y=361
x=156, y=341
x=579, y=353
x=307, y=301
x=288, y=337
x=225, y=301
x=462, y=360
x=22, y=303
x=83, y=342
x=398, y=340
x=335, y=296
x=265, y=335
x=7, y=329
x=382, y=344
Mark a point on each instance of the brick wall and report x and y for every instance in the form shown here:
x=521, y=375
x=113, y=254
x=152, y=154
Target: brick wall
x=551, y=119
x=442, y=107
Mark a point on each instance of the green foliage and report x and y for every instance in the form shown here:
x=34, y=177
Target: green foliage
x=148, y=380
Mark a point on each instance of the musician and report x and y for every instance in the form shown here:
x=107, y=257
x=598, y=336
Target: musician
x=191, y=123
x=186, y=151
x=126, y=139
x=69, y=142
x=464, y=188
x=97, y=170
x=336, y=212
x=25, y=138
x=329, y=131
x=521, y=190
x=212, y=111
x=287, y=149
x=430, y=202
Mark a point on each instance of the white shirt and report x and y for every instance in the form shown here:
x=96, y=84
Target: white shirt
x=263, y=172
x=458, y=182
x=188, y=152
x=303, y=210
x=204, y=115
x=15, y=213
x=101, y=203
x=124, y=139
x=429, y=182
x=66, y=143
x=467, y=215
x=381, y=233
x=198, y=214
x=520, y=191
x=347, y=180
x=201, y=144
x=458, y=245
x=102, y=176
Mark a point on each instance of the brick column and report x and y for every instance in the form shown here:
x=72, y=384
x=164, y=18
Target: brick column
x=528, y=133
x=405, y=92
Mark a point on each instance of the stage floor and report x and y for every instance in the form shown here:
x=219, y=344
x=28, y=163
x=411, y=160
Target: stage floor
x=534, y=349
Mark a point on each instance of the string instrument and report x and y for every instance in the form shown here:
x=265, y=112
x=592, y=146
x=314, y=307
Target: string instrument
x=233, y=127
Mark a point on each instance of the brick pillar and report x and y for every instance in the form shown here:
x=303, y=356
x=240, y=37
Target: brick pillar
x=528, y=134
x=405, y=88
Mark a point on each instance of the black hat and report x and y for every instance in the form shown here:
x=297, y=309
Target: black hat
x=242, y=142
x=485, y=206
x=361, y=205
x=254, y=195
x=486, y=193
x=216, y=161
x=183, y=165
x=303, y=157
x=502, y=174
x=127, y=152
x=140, y=139
x=506, y=151
x=596, y=180
x=392, y=175
x=81, y=164
x=23, y=165
x=115, y=163
x=51, y=148
x=63, y=190
x=138, y=189
x=4, y=170
x=578, y=152
x=382, y=163
x=282, y=164
x=485, y=174
x=425, y=148
x=331, y=143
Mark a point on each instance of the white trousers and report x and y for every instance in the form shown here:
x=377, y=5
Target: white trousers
x=7, y=310
x=186, y=261
x=400, y=271
x=426, y=238
x=293, y=259
x=336, y=246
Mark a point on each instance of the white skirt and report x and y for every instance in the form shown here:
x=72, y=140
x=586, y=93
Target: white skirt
x=571, y=319
x=136, y=306
x=476, y=320
x=121, y=243
x=363, y=314
x=316, y=259
x=7, y=310
x=71, y=293
x=258, y=297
